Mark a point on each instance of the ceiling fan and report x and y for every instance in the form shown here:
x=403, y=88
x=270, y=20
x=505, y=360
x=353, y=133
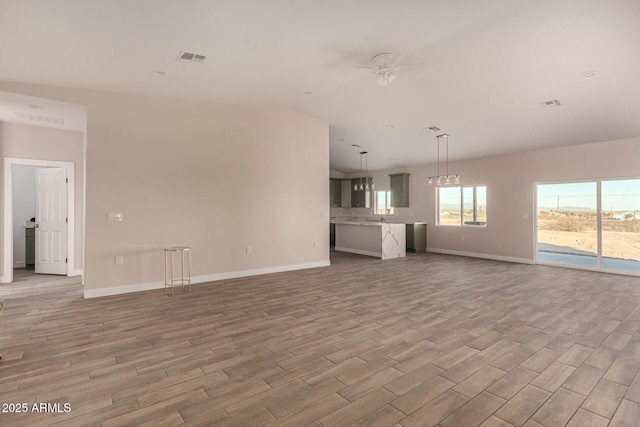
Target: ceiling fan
x=383, y=68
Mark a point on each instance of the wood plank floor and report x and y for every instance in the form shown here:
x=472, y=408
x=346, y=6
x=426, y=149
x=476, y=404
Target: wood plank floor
x=419, y=341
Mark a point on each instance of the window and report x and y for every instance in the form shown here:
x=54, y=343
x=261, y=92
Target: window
x=449, y=199
x=383, y=203
x=459, y=206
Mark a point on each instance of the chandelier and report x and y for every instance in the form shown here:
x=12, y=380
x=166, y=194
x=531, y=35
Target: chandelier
x=367, y=184
x=446, y=178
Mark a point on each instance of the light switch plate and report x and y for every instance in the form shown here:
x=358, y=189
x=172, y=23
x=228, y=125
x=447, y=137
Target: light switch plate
x=114, y=216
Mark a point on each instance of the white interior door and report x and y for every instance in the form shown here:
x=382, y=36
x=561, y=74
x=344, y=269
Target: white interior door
x=51, y=220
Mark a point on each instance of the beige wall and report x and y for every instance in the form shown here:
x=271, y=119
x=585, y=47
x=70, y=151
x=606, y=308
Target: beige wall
x=215, y=177
x=510, y=182
x=39, y=143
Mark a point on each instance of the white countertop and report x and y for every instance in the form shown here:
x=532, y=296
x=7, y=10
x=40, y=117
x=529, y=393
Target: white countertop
x=372, y=222
x=368, y=223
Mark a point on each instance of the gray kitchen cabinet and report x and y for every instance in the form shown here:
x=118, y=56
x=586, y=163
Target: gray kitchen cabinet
x=30, y=255
x=346, y=193
x=417, y=237
x=332, y=235
x=335, y=192
x=399, y=190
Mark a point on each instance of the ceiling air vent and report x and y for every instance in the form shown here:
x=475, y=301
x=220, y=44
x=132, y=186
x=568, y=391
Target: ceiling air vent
x=190, y=57
x=38, y=118
x=550, y=104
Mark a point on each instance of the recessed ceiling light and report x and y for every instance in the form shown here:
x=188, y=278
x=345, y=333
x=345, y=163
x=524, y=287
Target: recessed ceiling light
x=587, y=74
x=356, y=146
x=393, y=159
x=307, y=92
x=159, y=73
x=340, y=139
x=36, y=106
x=390, y=126
x=433, y=129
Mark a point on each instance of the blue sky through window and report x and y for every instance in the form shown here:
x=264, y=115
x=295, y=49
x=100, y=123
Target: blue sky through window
x=617, y=195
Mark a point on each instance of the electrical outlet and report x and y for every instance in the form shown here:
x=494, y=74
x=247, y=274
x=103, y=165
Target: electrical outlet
x=119, y=260
x=114, y=216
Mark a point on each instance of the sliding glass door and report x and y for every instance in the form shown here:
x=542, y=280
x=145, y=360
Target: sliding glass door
x=621, y=225
x=571, y=232
x=568, y=224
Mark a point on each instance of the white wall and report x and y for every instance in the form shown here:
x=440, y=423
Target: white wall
x=212, y=176
x=24, y=208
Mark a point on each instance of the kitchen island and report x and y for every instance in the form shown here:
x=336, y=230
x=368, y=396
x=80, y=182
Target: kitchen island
x=380, y=239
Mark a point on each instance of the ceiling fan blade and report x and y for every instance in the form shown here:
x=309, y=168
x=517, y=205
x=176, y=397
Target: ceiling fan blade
x=397, y=60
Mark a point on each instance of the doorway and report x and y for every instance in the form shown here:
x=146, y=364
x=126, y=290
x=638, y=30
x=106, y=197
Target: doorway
x=591, y=225
x=69, y=241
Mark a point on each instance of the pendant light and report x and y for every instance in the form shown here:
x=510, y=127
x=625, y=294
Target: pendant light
x=366, y=185
x=445, y=179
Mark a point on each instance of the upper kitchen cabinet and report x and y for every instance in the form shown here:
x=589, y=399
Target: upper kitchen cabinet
x=335, y=193
x=346, y=193
x=361, y=198
x=399, y=190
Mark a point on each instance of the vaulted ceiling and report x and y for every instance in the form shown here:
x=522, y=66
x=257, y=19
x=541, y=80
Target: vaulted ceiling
x=480, y=71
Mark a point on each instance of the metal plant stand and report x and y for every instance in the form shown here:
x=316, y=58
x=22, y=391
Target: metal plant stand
x=171, y=278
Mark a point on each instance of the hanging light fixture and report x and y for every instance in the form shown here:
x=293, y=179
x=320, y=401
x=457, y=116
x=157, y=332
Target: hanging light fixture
x=367, y=185
x=445, y=179
x=356, y=186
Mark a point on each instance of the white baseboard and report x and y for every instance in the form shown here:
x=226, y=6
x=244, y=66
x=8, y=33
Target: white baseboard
x=4, y=279
x=148, y=286
x=358, y=251
x=75, y=273
x=481, y=255
x=124, y=289
x=19, y=264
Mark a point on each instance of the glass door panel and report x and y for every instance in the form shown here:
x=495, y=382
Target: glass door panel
x=621, y=225
x=567, y=221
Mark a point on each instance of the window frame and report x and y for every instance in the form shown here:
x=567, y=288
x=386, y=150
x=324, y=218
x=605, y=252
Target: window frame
x=474, y=203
